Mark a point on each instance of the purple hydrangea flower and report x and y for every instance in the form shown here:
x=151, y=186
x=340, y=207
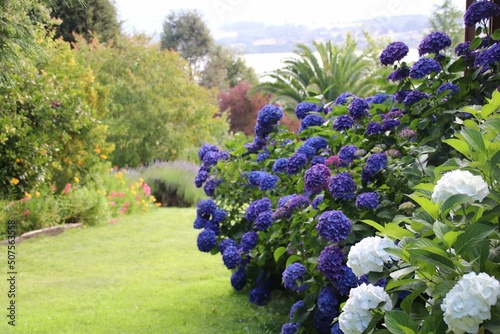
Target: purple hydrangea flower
x=330, y=262
x=249, y=241
x=254, y=177
x=367, y=201
x=317, y=143
x=390, y=124
x=328, y=302
x=223, y=155
x=269, y=115
x=343, y=122
x=311, y=120
x=231, y=257
x=479, y=11
x=488, y=57
x=335, y=161
x=307, y=150
x=262, y=130
x=376, y=162
x=257, y=207
x=358, y=108
x=210, y=158
x=292, y=274
x=210, y=186
x=374, y=128
x=228, y=242
x=336, y=329
x=200, y=178
x=283, y=200
x=333, y=226
x=259, y=296
x=264, y=220
x=267, y=181
x=303, y=108
x=205, y=208
x=206, y=240
x=279, y=165
x=321, y=322
x=342, y=186
x=408, y=134
x=399, y=74
x=239, y=279
x=346, y=281
x=257, y=144
x=290, y=328
x=199, y=223
x=317, y=160
x=206, y=148
x=401, y=95
x=294, y=308
x=317, y=201
x=342, y=99
x=433, y=43
x=423, y=67
x=214, y=227
x=295, y=163
x=347, y=153
x=448, y=86
x=297, y=202
x=262, y=156
x=316, y=178
x=463, y=50
x=414, y=96
x=393, y=52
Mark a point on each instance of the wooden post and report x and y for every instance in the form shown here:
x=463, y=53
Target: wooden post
x=495, y=21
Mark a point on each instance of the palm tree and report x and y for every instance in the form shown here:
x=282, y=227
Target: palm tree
x=335, y=70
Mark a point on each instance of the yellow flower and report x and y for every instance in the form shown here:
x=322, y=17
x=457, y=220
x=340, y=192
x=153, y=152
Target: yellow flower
x=158, y=204
x=134, y=192
x=27, y=195
x=14, y=181
x=98, y=191
x=77, y=180
x=18, y=160
x=123, y=182
x=103, y=156
x=119, y=175
x=37, y=194
x=141, y=180
x=97, y=150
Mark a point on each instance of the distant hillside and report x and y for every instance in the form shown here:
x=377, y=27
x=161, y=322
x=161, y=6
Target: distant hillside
x=252, y=37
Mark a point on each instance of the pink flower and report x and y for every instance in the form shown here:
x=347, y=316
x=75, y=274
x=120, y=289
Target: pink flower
x=112, y=203
x=24, y=199
x=146, y=189
x=126, y=204
x=123, y=210
x=27, y=212
x=67, y=188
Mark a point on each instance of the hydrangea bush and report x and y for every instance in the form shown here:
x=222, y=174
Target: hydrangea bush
x=382, y=212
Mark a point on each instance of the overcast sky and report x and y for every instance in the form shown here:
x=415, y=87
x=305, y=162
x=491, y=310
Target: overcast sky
x=148, y=15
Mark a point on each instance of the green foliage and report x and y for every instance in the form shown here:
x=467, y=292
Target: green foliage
x=89, y=19
x=158, y=111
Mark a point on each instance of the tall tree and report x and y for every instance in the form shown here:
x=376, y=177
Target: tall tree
x=448, y=19
x=186, y=32
x=94, y=17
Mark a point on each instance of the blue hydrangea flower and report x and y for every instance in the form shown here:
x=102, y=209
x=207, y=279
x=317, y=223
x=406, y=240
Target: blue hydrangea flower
x=488, y=57
x=479, y=11
x=219, y=215
x=257, y=207
x=295, y=163
x=316, y=178
x=231, y=257
x=199, y=223
x=295, y=307
x=317, y=201
x=206, y=148
x=317, y=143
x=433, y=43
x=346, y=281
x=307, y=150
x=376, y=162
x=267, y=181
x=414, y=96
x=374, y=128
x=393, y=52
x=343, y=122
x=336, y=329
x=254, y=177
x=463, y=50
x=279, y=165
x=269, y=115
x=328, y=302
x=330, y=262
x=380, y=98
x=401, y=95
x=249, y=241
x=333, y=226
x=390, y=124
x=283, y=200
x=297, y=202
x=367, y=201
x=347, y=153
x=290, y=328
x=264, y=220
x=239, y=279
x=292, y=274
x=423, y=67
x=342, y=186
x=303, y=108
x=200, y=178
x=262, y=156
x=321, y=322
x=343, y=98
x=210, y=158
x=448, y=86
x=211, y=225
x=206, y=240
x=205, y=208
x=318, y=160
x=258, y=144
x=259, y=296
x=228, y=242
x=262, y=130
x=311, y=120
x=210, y=187
x=223, y=155
x=358, y=108
x=399, y=74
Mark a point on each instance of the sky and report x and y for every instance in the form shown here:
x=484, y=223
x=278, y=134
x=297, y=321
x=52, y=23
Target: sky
x=148, y=15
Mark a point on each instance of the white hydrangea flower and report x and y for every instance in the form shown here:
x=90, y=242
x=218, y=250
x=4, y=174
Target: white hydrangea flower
x=369, y=255
x=468, y=304
x=460, y=182
x=356, y=314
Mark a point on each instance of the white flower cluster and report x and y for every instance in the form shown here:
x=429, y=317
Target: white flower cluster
x=369, y=255
x=468, y=304
x=460, y=182
x=356, y=314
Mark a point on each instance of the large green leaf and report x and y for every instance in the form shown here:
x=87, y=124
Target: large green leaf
x=472, y=236
x=278, y=253
x=431, y=208
x=399, y=322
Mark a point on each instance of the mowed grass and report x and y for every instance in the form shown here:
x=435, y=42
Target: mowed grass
x=143, y=274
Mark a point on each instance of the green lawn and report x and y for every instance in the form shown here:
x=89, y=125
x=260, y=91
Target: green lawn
x=143, y=274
